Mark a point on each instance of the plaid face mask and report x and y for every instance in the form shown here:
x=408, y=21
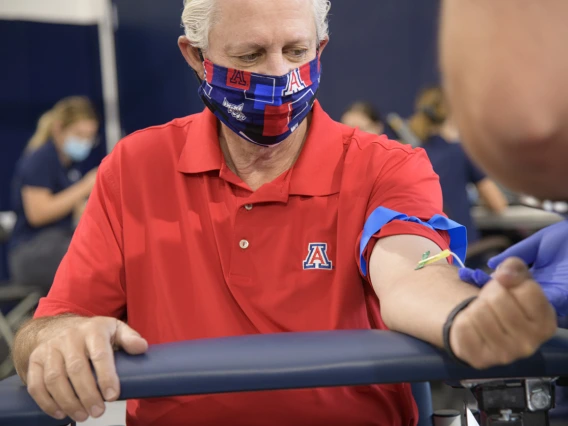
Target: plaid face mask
x=262, y=109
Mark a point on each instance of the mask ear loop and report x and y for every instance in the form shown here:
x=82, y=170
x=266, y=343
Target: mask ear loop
x=199, y=79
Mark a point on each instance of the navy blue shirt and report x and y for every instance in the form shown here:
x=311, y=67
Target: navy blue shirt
x=456, y=170
x=41, y=168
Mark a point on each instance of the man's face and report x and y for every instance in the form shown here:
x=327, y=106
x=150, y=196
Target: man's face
x=269, y=37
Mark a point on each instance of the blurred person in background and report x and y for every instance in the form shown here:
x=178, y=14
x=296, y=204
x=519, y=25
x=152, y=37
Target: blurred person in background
x=48, y=192
x=364, y=116
x=504, y=71
x=510, y=98
x=440, y=139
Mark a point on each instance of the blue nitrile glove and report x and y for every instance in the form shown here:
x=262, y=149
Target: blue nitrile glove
x=547, y=253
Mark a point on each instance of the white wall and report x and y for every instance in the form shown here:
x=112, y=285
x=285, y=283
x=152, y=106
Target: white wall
x=57, y=11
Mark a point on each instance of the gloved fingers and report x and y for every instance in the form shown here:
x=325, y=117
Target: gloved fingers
x=475, y=277
x=481, y=277
x=558, y=298
x=526, y=250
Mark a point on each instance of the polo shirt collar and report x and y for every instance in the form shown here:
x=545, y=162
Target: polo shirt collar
x=319, y=167
x=317, y=172
x=201, y=152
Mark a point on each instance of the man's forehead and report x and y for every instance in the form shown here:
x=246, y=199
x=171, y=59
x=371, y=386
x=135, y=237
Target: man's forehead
x=245, y=12
x=257, y=24
x=253, y=4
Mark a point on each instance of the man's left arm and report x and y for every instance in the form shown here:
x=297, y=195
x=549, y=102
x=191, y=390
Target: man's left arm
x=510, y=319
x=416, y=302
x=511, y=316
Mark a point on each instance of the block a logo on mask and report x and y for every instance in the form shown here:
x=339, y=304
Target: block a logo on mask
x=294, y=84
x=238, y=78
x=235, y=110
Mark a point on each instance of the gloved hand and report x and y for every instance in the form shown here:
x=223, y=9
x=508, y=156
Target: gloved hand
x=547, y=254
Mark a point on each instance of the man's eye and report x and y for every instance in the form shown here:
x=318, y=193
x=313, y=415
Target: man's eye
x=298, y=53
x=250, y=58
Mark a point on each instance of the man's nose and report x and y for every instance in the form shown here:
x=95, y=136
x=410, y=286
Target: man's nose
x=276, y=64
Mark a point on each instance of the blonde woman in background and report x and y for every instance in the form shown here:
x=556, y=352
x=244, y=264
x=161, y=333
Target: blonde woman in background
x=432, y=125
x=48, y=193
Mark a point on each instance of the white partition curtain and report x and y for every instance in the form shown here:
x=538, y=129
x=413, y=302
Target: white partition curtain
x=80, y=12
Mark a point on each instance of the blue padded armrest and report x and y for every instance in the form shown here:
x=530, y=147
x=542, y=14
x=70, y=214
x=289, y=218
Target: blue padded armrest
x=285, y=361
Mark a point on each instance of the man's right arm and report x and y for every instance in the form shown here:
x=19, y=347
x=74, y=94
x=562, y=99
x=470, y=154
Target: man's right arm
x=32, y=334
x=53, y=356
x=78, y=324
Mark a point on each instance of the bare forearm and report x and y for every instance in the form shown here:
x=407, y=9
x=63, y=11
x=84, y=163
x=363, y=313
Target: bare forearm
x=33, y=334
x=415, y=302
x=492, y=196
x=422, y=300
x=50, y=208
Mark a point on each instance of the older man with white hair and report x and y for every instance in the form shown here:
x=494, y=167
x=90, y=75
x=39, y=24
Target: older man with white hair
x=262, y=215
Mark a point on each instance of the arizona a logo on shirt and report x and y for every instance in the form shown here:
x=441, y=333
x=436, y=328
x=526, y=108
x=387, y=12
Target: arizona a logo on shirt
x=294, y=83
x=317, y=257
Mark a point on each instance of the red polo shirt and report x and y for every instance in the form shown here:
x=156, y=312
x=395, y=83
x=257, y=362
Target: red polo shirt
x=173, y=237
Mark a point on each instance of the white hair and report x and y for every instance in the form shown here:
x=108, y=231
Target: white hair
x=198, y=17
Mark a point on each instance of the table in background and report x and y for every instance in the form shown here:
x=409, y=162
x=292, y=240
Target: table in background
x=515, y=217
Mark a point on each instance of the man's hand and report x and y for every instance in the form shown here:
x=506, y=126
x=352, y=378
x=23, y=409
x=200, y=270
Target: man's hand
x=547, y=252
x=60, y=378
x=510, y=319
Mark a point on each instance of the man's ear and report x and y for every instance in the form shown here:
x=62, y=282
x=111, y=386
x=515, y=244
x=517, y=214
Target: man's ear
x=322, y=45
x=192, y=56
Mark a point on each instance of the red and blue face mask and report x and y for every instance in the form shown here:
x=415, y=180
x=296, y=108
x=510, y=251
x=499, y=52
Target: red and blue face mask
x=262, y=109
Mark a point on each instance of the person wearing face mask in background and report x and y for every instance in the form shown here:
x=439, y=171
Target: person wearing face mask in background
x=365, y=117
x=48, y=193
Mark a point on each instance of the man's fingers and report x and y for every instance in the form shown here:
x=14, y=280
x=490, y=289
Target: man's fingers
x=101, y=354
x=38, y=391
x=514, y=276
x=499, y=330
x=512, y=272
x=82, y=379
x=129, y=340
x=57, y=384
x=522, y=310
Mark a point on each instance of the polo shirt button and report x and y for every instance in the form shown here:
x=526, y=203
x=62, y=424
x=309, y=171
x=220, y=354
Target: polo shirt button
x=243, y=244
x=248, y=207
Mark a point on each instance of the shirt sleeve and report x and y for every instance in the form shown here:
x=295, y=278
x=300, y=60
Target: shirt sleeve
x=90, y=280
x=408, y=186
x=36, y=172
x=474, y=173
